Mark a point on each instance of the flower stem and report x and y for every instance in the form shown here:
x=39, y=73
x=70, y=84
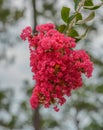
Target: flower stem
x=73, y=22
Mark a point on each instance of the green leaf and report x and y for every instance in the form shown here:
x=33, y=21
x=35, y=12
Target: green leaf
x=76, y=3
x=73, y=33
x=62, y=28
x=65, y=13
x=90, y=17
x=71, y=18
x=78, y=16
x=88, y=3
x=93, y=7
x=83, y=35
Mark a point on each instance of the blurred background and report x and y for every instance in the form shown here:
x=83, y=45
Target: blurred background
x=84, y=109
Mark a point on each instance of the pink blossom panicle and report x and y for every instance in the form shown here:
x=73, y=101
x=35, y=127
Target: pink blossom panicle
x=56, y=67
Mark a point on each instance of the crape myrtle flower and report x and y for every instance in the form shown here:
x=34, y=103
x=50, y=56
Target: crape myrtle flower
x=57, y=68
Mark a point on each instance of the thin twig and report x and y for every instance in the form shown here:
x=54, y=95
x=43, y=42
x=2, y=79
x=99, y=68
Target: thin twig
x=36, y=115
x=34, y=15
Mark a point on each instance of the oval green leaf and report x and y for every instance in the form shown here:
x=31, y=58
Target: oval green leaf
x=73, y=33
x=78, y=17
x=93, y=7
x=71, y=18
x=83, y=35
x=65, y=13
x=90, y=17
x=76, y=3
x=88, y=3
x=62, y=28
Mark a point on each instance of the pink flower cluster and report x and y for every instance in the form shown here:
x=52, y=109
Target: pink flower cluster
x=56, y=66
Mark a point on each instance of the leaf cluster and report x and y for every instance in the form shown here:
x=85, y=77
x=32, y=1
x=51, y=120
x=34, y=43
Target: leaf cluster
x=74, y=20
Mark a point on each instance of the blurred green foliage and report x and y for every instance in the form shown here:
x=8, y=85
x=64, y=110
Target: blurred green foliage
x=8, y=15
x=15, y=109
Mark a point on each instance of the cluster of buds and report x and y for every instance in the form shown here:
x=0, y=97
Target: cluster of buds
x=57, y=67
